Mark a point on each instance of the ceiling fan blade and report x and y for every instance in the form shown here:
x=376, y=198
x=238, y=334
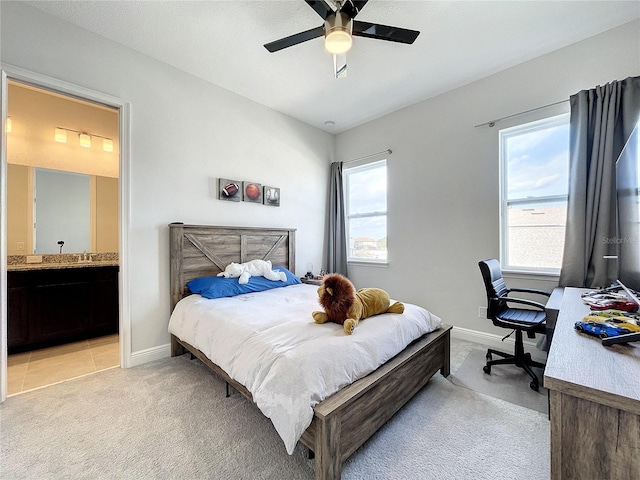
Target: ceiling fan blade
x=384, y=32
x=295, y=39
x=353, y=7
x=321, y=8
x=340, y=65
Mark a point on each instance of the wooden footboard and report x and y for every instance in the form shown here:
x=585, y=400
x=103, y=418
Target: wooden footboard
x=344, y=421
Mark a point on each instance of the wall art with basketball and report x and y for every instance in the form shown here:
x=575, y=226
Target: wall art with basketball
x=271, y=196
x=252, y=192
x=229, y=190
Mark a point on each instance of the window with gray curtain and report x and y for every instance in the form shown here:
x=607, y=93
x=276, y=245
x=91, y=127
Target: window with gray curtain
x=602, y=119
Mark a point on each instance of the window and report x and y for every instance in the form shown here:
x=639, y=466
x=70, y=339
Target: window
x=534, y=159
x=366, y=212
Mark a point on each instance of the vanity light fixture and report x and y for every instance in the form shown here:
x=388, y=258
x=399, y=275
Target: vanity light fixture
x=7, y=126
x=107, y=145
x=61, y=135
x=84, y=138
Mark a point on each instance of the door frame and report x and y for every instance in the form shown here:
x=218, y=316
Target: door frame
x=10, y=72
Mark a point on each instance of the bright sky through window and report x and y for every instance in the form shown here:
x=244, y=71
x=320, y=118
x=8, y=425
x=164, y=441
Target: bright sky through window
x=535, y=184
x=538, y=163
x=366, y=202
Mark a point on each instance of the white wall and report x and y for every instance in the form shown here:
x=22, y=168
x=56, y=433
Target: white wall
x=443, y=173
x=185, y=134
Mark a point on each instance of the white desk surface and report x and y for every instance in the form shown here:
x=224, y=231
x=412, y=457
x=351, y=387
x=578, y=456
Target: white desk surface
x=579, y=365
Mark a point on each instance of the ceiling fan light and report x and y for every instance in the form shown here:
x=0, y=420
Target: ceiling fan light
x=337, y=36
x=338, y=42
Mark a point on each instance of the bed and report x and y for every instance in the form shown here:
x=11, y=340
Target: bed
x=343, y=421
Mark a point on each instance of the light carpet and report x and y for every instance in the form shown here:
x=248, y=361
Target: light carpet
x=170, y=419
x=506, y=382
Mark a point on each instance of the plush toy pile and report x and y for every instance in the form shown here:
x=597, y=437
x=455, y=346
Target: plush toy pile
x=344, y=305
x=253, y=268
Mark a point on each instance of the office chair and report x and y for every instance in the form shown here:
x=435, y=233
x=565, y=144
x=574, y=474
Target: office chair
x=530, y=320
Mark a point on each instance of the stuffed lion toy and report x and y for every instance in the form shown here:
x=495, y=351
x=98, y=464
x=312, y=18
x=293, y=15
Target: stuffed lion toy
x=343, y=305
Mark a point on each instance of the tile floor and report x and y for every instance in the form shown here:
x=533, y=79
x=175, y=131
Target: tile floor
x=30, y=370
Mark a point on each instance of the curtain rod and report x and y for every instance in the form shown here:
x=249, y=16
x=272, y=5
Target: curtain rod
x=493, y=122
x=388, y=150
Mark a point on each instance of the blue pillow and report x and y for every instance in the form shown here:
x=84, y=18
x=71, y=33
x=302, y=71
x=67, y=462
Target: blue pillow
x=219, y=287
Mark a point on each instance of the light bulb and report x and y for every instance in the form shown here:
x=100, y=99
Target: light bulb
x=338, y=42
x=85, y=140
x=107, y=145
x=61, y=135
x=338, y=28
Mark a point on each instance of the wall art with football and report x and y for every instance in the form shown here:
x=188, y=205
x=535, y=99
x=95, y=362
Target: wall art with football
x=236, y=191
x=229, y=190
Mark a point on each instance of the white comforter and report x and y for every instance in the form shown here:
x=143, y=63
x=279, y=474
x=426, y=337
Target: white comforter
x=269, y=343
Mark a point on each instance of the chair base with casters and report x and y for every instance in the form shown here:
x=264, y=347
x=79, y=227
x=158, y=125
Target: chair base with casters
x=529, y=318
x=520, y=359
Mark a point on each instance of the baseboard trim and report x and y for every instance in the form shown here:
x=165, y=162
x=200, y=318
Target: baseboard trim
x=150, y=354
x=495, y=341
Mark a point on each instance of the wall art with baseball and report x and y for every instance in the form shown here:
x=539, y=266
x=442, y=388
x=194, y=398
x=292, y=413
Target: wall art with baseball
x=271, y=196
x=236, y=191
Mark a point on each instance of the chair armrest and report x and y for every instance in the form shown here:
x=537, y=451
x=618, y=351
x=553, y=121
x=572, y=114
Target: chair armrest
x=522, y=301
x=530, y=290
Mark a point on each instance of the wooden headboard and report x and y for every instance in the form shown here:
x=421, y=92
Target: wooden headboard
x=202, y=250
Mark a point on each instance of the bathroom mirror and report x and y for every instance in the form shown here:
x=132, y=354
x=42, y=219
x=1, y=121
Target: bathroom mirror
x=48, y=206
x=62, y=212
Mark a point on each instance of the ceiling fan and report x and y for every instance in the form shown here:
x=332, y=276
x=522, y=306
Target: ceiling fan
x=338, y=29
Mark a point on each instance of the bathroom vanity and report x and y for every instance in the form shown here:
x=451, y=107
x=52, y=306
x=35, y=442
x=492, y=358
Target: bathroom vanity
x=60, y=303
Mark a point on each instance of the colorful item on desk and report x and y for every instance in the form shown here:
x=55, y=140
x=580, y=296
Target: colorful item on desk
x=608, y=304
x=600, y=329
x=598, y=315
x=609, y=298
x=609, y=323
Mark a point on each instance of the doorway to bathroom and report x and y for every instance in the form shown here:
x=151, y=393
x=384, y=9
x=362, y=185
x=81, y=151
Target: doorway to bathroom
x=63, y=300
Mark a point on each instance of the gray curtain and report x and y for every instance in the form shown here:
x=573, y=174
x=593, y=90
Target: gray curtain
x=337, y=237
x=602, y=119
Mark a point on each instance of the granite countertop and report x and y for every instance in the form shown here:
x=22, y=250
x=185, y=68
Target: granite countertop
x=50, y=266
x=16, y=263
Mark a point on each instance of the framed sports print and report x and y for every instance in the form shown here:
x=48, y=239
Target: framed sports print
x=271, y=196
x=252, y=192
x=229, y=190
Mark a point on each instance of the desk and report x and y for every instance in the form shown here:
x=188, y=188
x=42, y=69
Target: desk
x=594, y=401
x=552, y=309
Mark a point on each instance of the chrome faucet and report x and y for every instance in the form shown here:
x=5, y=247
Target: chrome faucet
x=84, y=258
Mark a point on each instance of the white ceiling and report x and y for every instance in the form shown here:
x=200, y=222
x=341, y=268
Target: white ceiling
x=460, y=41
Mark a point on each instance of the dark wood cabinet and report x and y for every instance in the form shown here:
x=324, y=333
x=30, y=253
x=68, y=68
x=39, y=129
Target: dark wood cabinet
x=18, y=320
x=56, y=306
